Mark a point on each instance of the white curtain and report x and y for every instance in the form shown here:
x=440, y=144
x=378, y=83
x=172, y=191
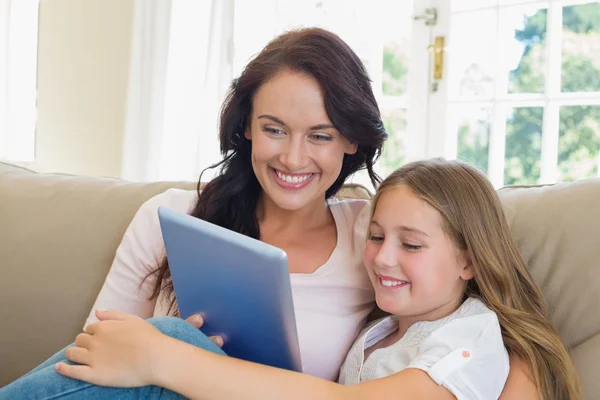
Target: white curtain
x=146, y=91
x=18, y=70
x=180, y=71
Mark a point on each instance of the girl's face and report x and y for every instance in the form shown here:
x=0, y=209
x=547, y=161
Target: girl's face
x=417, y=271
x=297, y=153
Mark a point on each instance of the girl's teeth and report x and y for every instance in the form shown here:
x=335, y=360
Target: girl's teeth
x=391, y=283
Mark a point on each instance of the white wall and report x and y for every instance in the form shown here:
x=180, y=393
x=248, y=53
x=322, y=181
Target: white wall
x=83, y=61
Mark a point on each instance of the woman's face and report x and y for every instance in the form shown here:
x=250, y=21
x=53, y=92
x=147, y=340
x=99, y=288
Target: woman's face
x=297, y=153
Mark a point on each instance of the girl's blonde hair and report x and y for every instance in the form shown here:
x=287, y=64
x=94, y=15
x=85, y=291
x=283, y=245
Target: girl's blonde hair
x=474, y=219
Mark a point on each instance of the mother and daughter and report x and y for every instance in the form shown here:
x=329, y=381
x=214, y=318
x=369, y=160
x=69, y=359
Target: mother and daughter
x=433, y=250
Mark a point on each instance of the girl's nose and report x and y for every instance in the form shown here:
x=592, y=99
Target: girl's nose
x=386, y=256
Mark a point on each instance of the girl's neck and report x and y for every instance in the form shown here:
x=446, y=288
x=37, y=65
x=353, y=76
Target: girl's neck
x=405, y=322
x=314, y=214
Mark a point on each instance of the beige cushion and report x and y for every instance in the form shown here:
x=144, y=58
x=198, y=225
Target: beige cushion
x=5, y=168
x=58, y=236
x=59, y=233
x=557, y=229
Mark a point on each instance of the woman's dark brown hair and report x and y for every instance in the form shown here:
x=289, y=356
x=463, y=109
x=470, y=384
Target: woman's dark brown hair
x=230, y=200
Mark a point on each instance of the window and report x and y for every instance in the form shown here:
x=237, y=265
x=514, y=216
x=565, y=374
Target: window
x=522, y=98
x=18, y=68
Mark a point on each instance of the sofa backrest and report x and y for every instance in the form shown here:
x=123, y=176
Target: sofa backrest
x=557, y=229
x=59, y=234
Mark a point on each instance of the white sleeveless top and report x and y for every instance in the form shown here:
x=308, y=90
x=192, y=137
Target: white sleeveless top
x=331, y=304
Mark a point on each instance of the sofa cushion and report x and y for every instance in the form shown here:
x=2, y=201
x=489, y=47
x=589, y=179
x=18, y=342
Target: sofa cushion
x=58, y=237
x=4, y=167
x=557, y=228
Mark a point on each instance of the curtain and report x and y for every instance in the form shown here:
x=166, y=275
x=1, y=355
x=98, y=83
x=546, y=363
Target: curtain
x=180, y=71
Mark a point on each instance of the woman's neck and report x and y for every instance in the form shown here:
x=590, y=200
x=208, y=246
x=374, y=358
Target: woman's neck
x=275, y=218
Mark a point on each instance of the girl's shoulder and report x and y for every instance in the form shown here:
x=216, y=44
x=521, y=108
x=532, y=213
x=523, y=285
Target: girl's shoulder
x=464, y=352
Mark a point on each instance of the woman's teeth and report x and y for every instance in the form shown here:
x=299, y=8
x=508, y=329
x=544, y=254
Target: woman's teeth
x=293, y=179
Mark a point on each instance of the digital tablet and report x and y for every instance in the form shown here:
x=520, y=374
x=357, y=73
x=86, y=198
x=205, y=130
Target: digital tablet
x=241, y=286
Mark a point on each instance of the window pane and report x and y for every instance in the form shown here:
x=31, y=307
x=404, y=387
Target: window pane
x=466, y=5
x=473, y=134
x=523, y=146
x=396, y=28
x=579, y=142
x=523, y=47
x=395, y=67
x=581, y=48
x=472, y=57
x=394, y=150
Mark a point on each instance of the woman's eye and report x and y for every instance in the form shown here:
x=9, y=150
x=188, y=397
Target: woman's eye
x=375, y=238
x=273, y=131
x=411, y=247
x=322, y=138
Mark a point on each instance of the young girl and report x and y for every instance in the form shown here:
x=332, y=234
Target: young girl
x=443, y=263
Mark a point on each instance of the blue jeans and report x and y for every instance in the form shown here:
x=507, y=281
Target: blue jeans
x=44, y=383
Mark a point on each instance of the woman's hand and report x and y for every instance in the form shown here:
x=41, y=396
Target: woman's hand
x=120, y=351
x=197, y=321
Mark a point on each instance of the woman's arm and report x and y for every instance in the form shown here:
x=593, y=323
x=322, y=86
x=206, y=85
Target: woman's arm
x=520, y=384
x=127, y=351
x=141, y=250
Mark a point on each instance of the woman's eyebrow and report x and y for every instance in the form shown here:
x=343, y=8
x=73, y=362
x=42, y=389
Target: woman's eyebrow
x=280, y=122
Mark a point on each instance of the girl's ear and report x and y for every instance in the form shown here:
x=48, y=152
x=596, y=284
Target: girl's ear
x=247, y=133
x=468, y=271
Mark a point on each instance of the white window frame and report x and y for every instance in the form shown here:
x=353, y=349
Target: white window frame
x=18, y=79
x=441, y=139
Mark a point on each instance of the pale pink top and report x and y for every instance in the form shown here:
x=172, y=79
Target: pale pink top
x=331, y=304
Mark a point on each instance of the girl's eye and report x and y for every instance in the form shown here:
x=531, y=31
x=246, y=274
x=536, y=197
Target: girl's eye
x=375, y=238
x=322, y=138
x=273, y=131
x=412, y=247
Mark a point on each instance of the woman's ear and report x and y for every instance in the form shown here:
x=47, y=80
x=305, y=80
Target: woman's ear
x=351, y=148
x=247, y=133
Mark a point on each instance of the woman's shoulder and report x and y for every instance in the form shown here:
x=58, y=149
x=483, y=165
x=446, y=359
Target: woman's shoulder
x=175, y=199
x=356, y=216
x=350, y=207
x=146, y=217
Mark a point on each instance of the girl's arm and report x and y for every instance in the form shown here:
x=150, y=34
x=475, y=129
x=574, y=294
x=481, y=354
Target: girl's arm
x=520, y=384
x=199, y=374
x=126, y=351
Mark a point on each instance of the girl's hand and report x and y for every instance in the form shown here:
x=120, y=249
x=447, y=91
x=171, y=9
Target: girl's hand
x=120, y=351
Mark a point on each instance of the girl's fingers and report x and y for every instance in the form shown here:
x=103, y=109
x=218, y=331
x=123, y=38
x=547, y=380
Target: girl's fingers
x=104, y=315
x=83, y=340
x=78, y=355
x=79, y=372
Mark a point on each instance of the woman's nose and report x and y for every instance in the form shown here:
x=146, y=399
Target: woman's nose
x=294, y=157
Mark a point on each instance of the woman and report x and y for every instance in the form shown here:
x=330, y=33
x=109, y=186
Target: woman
x=296, y=124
